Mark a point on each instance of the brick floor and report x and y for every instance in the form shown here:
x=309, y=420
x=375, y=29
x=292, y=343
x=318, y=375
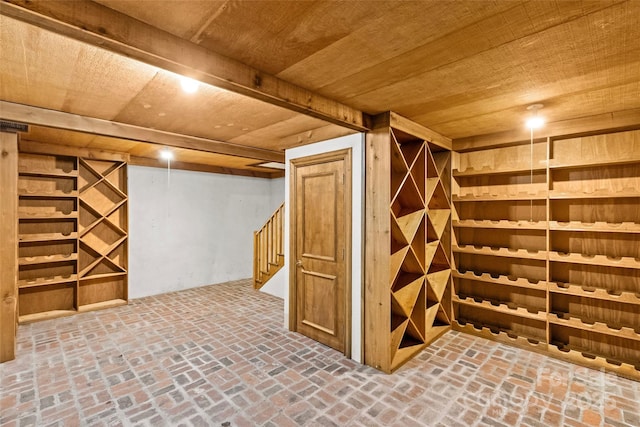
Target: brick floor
x=218, y=356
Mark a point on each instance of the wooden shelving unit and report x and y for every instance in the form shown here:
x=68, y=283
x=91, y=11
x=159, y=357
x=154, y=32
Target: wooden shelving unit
x=103, y=233
x=408, y=249
x=53, y=194
x=546, y=248
x=594, y=250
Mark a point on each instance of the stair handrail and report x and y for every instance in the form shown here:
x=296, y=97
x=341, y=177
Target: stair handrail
x=268, y=248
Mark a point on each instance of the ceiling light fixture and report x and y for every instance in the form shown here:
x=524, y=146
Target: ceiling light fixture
x=166, y=154
x=189, y=85
x=535, y=121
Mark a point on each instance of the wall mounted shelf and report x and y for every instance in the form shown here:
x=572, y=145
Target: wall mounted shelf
x=570, y=288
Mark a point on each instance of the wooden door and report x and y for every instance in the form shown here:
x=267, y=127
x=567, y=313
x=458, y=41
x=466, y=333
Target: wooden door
x=321, y=240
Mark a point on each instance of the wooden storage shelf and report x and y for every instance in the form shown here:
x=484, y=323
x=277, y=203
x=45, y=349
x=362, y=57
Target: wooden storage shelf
x=104, y=275
x=102, y=305
x=102, y=289
x=46, y=237
x=48, y=173
x=564, y=319
x=47, y=215
x=500, y=197
x=45, y=302
x=598, y=226
x=582, y=215
x=58, y=194
x=499, y=307
x=530, y=270
x=470, y=171
x=102, y=198
x=115, y=207
x=519, y=282
x=587, y=315
x=501, y=252
x=590, y=211
x=517, y=339
x=47, y=259
x=532, y=241
x=502, y=210
x=595, y=293
x=596, y=194
x=103, y=239
x=410, y=229
x=588, y=358
x=500, y=224
x=65, y=202
x=601, y=260
x=558, y=164
x=593, y=347
x=101, y=260
x=44, y=315
x=46, y=281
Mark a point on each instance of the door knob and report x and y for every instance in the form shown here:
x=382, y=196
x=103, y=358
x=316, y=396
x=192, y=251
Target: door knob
x=299, y=263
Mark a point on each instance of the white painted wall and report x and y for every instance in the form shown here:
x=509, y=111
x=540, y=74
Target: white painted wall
x=281, y=285
x=195, y=228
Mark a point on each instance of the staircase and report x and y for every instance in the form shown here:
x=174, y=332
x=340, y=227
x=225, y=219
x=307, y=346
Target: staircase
x=268, y=248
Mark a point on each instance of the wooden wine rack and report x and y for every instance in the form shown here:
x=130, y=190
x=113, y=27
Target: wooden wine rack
x=408, y=273
x=72, y=235
x=546, y=247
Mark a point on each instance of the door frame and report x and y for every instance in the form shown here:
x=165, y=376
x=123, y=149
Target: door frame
x=344, y=154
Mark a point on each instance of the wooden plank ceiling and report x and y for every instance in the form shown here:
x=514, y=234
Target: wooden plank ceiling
x=461, y=68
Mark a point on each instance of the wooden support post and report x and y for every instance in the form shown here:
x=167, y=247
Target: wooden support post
x=8, y=244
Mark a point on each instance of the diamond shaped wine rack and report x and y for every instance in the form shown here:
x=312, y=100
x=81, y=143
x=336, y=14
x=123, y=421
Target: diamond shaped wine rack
x=420, y=224
x=103, y=231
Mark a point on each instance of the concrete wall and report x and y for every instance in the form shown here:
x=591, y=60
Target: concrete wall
x=192, y=229
x=280, y=286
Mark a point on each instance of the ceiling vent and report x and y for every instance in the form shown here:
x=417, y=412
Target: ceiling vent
x=6, y=126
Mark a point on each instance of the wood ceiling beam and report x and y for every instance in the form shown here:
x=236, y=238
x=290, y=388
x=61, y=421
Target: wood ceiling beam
x=313, y=135
x=60, y=120
x=27, y=146
x=155, y=163
x=620, y=120
x=101, y=26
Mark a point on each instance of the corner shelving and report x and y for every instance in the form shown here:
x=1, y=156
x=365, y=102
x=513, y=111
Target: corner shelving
x=409, y=191
x=52, y=216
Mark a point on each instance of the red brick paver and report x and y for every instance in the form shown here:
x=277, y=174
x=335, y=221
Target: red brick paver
x=219, y=356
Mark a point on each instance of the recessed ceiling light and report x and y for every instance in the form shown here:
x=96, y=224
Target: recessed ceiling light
x=189, y=85
x=535, y=121
x=166, y=154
